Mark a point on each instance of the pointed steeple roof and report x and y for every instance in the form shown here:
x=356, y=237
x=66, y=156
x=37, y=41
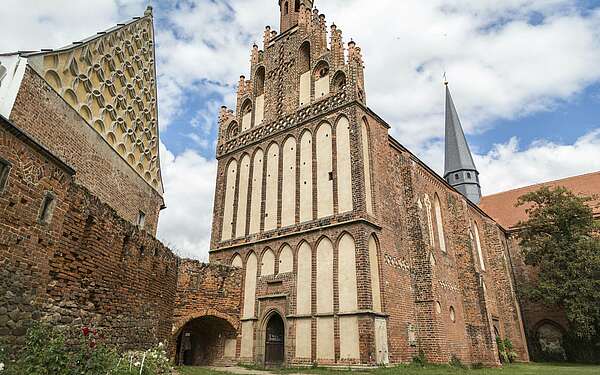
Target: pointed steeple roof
x=458, y=154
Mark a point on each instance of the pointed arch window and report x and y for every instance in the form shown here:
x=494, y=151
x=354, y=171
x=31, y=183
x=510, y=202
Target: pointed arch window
x=429, y=220
x=439, y=221
x=478, y=246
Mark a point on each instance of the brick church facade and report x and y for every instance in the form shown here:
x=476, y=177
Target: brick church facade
x=332, y=243
x=353, y=247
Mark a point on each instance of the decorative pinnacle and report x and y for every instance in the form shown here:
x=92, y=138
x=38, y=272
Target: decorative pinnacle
x=148, y=11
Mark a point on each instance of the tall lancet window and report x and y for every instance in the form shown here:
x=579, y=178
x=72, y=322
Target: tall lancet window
x=439, y=221
x=429, y=220
x=304, y=73
x=478, y=246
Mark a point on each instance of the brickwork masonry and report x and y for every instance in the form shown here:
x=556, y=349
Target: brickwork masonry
x=82, y=264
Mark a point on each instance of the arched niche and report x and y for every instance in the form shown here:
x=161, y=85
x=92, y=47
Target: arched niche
x=374, y=272
x=288, y=193
x=233, y=130
x=303, y=281
x=250, y=285
x=344, y=166
x=325, y=276
x=267, y=267
x=321, y=74
x=338, y=84
x=286, y=259
x=324, y=171
x=242, y=210
x=246, y=115
x=230, y=178
x=256, y=195
x=303, y=66
x=306, y=177
x=237, y=261
x=272, y=187
x=259, y=111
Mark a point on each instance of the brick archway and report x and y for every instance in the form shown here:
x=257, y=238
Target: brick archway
x=210, y=317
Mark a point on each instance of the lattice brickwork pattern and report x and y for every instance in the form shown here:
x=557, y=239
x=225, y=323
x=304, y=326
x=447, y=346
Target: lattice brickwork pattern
x=111, y=81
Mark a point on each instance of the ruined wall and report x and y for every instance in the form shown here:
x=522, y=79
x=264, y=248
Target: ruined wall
x=25, y=242
x=84, y=266
x=51, y=121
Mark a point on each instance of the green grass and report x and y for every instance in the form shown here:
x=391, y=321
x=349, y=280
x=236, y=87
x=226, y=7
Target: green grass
x=518, y=369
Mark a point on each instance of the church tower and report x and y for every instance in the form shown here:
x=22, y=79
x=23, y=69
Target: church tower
x=460, y=171
x=291, y=11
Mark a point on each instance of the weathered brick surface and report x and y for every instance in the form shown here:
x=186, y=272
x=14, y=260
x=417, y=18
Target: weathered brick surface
x=419, y=282
x=207, y=291
x=90, y=267
x=44, y=115
x=87, y=266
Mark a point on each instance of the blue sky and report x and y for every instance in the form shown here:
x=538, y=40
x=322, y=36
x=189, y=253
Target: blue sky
x=525, y=76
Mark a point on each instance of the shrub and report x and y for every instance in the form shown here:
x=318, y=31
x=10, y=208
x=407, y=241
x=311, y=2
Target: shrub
x=420, y=360
x=48, y=351
x=506, y=351
x=456, y=362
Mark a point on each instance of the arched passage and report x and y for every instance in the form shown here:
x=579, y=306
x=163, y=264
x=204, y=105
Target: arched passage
x=205, y=341
x=275, y=341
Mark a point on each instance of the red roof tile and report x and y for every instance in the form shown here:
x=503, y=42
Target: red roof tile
x=501, y=206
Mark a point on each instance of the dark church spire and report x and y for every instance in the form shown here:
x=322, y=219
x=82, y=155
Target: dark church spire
x=460, y=171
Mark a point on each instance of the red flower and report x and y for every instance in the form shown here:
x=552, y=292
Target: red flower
x=86, y=331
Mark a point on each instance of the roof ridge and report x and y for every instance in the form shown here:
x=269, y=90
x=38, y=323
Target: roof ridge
x=542, y=183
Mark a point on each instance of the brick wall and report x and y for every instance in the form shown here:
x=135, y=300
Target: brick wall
x=206, y=290
x=25, y=243
x=87, y=266
x=43, y=114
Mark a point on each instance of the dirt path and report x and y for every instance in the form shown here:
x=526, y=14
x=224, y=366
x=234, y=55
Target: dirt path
x=240, y=370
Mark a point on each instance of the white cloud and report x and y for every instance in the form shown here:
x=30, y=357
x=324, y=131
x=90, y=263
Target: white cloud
x=189, y=182
x=508, y=166
x=500, y=64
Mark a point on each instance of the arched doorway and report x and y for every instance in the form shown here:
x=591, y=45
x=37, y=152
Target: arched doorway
x=204, y=341
x=549, y=338
x=275, y=341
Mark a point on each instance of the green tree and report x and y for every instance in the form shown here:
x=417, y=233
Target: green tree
x=560, y=239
